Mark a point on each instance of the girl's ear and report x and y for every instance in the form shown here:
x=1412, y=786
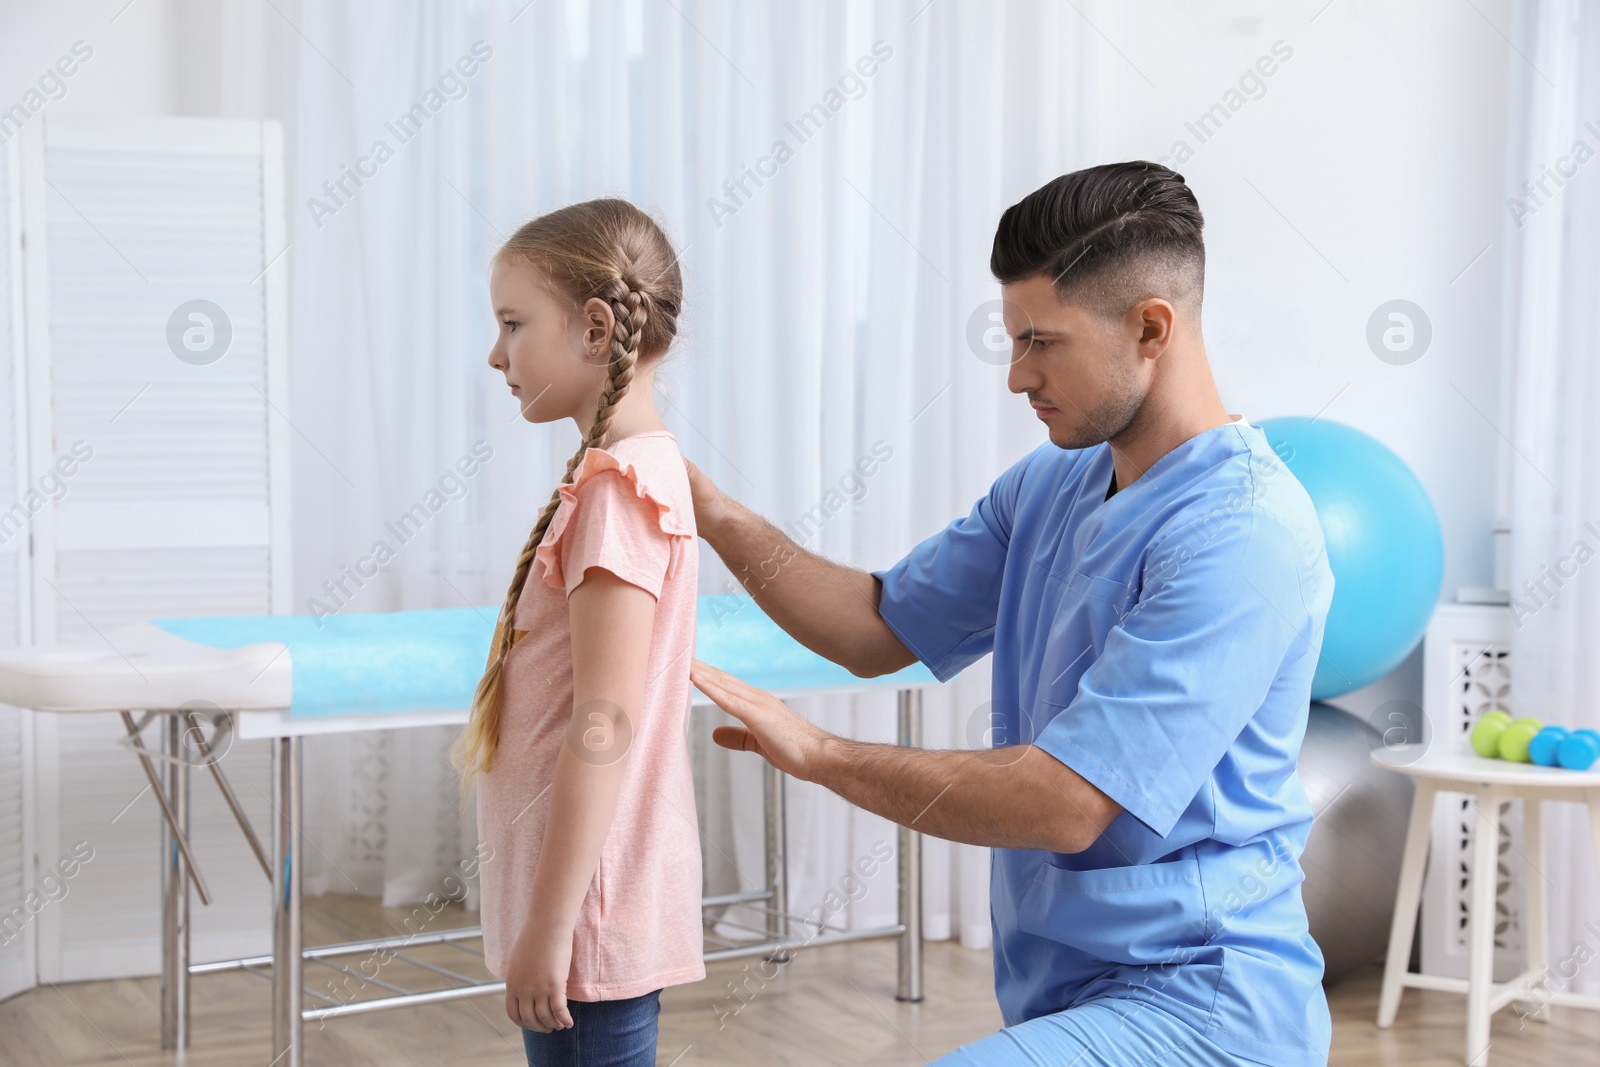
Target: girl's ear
x=598, y=323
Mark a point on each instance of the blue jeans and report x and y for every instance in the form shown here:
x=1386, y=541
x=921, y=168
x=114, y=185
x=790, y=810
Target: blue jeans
x=604, y=1033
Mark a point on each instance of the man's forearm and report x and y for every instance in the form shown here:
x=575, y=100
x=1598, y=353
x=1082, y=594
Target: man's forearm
x=830, y=608
x=1017, y=797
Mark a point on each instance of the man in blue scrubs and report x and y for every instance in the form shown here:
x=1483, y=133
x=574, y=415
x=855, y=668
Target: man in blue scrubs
x=1152, y=583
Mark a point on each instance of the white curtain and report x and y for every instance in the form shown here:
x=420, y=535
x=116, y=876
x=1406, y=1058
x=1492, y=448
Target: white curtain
x=1553, y=207
x=831, y=289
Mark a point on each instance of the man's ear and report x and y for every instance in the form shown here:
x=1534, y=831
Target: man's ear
x=1156, y=320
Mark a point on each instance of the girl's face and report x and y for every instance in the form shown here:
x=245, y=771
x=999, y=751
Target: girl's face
x=544, y=342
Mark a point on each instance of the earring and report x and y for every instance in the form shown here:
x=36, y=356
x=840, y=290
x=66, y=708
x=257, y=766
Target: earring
x=594, y=351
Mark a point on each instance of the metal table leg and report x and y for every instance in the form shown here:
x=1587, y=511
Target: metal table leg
x=910, y=850
x=214, y=762
x=158, y=786
x=174, y=890
x=777, y=839
x=288, y=935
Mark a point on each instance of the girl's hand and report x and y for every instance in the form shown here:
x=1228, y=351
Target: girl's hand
x=536, y=979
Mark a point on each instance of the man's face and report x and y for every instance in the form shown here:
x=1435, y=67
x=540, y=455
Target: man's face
x=1085, y=377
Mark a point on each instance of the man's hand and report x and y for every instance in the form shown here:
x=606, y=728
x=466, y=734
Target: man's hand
x=1028, y=799
x=710, y=506
x=770, y=729
x=829, y=608
x=536, y=978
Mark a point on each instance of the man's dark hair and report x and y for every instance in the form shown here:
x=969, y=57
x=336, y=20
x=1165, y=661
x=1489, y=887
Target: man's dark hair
x=1109, y=237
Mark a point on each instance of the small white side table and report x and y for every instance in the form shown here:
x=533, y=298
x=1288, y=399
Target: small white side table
x=1491, y=783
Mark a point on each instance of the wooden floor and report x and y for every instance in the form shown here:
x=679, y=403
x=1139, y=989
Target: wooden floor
x=830, y=1005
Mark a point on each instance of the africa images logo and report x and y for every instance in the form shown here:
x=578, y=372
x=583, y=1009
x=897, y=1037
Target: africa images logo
x=851, y=85
x=452, y=85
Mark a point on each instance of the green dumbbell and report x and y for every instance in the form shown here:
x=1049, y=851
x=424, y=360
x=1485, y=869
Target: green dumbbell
x=1516, y=737
x=1486, y=733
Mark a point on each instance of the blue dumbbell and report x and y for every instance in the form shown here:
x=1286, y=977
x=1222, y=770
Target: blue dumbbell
x=1545, y=745
x=1579, y=751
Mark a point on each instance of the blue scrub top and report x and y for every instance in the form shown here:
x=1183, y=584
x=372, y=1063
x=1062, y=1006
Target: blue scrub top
x=1161, y=643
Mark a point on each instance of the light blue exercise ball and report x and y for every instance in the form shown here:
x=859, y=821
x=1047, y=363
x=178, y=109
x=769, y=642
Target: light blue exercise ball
x=1385, y=548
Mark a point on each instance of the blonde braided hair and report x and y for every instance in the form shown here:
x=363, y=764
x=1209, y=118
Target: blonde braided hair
x=636, y=273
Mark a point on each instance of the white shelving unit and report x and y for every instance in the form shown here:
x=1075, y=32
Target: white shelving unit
x=1467, y=671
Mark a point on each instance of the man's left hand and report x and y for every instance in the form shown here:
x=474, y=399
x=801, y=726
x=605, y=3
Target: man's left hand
x=771, y=729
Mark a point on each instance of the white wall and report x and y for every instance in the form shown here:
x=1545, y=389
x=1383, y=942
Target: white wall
x=132, y=69
x=1369, y=168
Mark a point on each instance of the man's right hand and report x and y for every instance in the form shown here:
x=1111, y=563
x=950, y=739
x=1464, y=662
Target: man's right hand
x=710, y=505
x=828, y=607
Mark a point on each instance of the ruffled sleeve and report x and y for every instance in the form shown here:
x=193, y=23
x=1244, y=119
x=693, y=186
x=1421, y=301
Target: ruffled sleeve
x=610, y=517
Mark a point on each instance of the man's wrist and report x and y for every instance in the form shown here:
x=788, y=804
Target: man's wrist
x=721, y=518
x=745, y=542
x=832, y=755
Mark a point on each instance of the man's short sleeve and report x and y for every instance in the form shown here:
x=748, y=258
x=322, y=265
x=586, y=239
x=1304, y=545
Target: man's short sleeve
x=941, y=599
x=1193, y=660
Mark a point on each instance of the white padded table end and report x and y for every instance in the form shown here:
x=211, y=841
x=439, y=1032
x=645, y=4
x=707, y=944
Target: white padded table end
x=141, y=667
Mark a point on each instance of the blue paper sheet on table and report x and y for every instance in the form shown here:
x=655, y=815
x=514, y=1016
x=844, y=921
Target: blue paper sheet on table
x=397, y=661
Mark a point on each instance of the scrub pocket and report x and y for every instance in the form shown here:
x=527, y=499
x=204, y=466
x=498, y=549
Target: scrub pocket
x=1088, y=607
x=1147, y=914
x=1119, y=595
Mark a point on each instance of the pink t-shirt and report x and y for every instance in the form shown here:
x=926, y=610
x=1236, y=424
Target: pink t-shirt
x=628, y=510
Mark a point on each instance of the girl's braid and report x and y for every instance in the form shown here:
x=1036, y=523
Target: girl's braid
x=630, y=308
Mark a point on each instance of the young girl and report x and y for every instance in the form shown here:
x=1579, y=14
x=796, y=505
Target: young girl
x=591, y=882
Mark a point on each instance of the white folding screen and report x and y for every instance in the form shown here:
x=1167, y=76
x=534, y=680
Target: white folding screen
x=157, y=392
x=17, y=907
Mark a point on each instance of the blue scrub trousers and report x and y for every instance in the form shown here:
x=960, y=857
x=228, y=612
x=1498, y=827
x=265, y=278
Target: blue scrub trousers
x=1108, y=1032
